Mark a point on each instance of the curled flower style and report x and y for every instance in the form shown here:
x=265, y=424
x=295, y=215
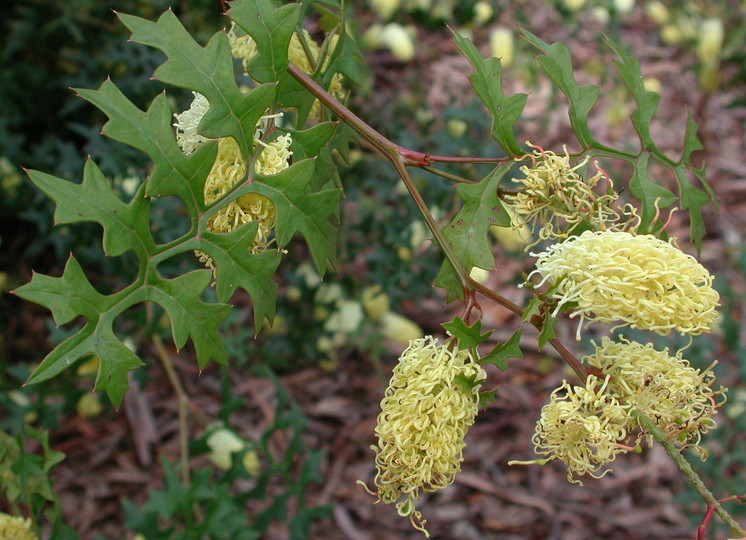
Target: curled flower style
x=583, y=427
x=187, y=122
x=424, y=417
x=303, y=51
x=229, y=168
x=274, y=157
x=640, y=281
x=666, y=389
x=552, y=189
x=16, y=528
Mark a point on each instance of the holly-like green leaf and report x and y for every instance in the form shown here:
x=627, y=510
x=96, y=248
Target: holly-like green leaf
x=151, y=132
x=468, y=336
x=646, y=101
x=487, y=397
x=502, y=352
x=557, y=63
x=648, y=192
x=68, y=296
x=191, y=317
x=692, y=199
x=467, y=384
x=468, y=231
x=115, y=359
x=300, y=209
x=487, y=83
x=237, y=267
x=126, y=226
x=547, y=330
x=533, y=308
x=271, y=29
x=207, y=70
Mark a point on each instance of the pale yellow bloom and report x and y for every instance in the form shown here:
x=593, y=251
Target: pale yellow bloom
x=187, y=122
x=275, y=156
x=552, y=190
x=502, y=45
x=398, y=328
x=16, y=528
x=303, y=52
x=638, y=281
x=583, y=427
x=710, y=40
x=396, y=38
x=424, y=417
x=666, y=389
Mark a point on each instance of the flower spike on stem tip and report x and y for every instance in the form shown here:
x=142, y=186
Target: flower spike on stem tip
x=425, y=414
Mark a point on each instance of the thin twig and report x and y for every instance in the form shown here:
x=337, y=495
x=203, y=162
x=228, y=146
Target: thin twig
x=165, y=359
x=686, y=469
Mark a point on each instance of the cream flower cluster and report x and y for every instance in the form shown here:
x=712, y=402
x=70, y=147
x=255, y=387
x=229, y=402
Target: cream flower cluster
x=641, y=281
x=552, y=189
x=16, y=528
x=424, y=417
x=227, y=171
x=666, y=389
x=582, y=426
x=302, y=51
x=585, y=427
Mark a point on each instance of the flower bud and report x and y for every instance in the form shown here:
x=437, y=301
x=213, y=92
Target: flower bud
x=658, y=12
x=482, y=12
x=710, y=40
x=384, y=8
x=398, y=328
x=396, y=38
x=375, y=302
x=501, y=45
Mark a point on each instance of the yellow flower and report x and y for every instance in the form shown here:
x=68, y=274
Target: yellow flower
x=553, y=189
x=229, y=169
x=274, y=157
x=582, y=427
x=187, y=122
x=424, y=416
x=16, y=528
x=666, y=389
x=640, y=281
x=303, y=52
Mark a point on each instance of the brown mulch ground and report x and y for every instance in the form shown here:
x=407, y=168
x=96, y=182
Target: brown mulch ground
x=117, y=455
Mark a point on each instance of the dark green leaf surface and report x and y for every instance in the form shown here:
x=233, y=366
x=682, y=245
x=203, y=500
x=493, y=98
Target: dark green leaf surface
x=191, y=317
x=468, y=231
x=557, y=63
x=468, y=336
x=271, y=29
x=299, y=209
x=503, y=352
x=487, y=83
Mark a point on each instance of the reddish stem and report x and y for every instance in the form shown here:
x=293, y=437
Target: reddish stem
x=420, y=159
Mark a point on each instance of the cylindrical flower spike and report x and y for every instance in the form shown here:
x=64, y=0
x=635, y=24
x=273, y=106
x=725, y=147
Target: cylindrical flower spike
x=666, y=389
x=424, y=417
x=582, y=426
x=16, y=528
x=639, y=281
